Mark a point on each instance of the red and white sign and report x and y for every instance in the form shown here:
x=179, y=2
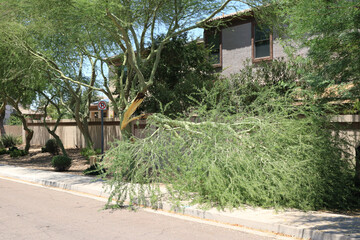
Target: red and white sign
x=102, y=105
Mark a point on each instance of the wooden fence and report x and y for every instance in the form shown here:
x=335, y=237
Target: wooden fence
x=72, y=137
x=70, y=134
x=16, y=130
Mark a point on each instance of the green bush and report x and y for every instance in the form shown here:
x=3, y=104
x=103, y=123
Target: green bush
x=3, y=151
x=183, y=68
x=94, y=170
x=12, y=149
x=14, y=120
x=10, y=141
x=17, y=153
x=61, y=163
x=87, y=152
x=274, y=154
x=51, y=146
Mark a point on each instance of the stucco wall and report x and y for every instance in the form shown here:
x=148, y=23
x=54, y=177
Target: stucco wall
x=236, y=48
x=349, y=130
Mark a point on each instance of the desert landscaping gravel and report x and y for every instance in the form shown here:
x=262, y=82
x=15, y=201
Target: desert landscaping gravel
x=42, y=161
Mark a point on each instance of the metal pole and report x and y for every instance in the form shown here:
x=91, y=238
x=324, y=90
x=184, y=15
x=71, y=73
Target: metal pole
x=102, y=131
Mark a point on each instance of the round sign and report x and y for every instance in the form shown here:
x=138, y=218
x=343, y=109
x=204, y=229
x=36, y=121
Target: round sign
x=102, y=105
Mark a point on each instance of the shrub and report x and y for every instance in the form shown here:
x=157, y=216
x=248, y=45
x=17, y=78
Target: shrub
x=12, y=149
x=94, y=170
x=3, y=151
x=14, y=120
x=61, y=163
x=10, y=141
x=19, y=140
x=87, y=152
x=51, y=146
x=17, y=153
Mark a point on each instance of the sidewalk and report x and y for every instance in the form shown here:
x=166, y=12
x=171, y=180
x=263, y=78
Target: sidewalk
x=309, y=225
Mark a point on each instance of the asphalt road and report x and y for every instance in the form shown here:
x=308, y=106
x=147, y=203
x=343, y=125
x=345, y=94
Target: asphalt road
x=33, y=212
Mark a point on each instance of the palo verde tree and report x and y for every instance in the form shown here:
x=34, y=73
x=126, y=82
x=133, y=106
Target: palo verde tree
x=61, y=37
x=134, y=26
x=63, y=33
x=17, y=77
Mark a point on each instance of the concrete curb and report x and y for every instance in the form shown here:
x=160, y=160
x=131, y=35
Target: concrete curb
x=92, y=186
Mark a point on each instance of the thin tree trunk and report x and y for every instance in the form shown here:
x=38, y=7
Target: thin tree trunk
x=56, y=137
x=2, y=117
x=59, y=142
x=28, y=136
x=84, y=129
x=53, y=132
x=28, y=132
x=2, y=128
x=357, y=168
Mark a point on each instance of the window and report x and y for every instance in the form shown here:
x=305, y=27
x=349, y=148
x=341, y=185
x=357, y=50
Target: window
x=213, y=42
x=261, y=43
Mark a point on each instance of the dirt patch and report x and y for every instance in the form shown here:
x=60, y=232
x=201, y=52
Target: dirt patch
x=42, y=161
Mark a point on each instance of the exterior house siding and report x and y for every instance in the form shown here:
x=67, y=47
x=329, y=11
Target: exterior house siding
x=237, y=43
x=236, y=47
x=8, y=111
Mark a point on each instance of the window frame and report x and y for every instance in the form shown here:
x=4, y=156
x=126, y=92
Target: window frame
x=261, y=59
x=206, y=38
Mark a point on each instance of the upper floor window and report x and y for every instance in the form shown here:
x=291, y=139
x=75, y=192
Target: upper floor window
x=213, y=41
x=261, y=43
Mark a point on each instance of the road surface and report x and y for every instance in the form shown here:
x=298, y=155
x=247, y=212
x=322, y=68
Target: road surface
x=33, y=212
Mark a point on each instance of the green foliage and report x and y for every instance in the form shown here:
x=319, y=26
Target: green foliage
x=54, y=114
x=14, y=120
x=272, y=154
x=353, y=108
x=94, y=170
x=3, y=151
x=17, y=153
x=61, y=163
x=10, y=141
x=51, y=146
x=87, y=152
x=12, y=149
x=329, y=30
x=184, y=68
x=237, y=94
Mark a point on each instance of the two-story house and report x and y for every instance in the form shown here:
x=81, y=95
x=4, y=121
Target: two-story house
x=239, y=38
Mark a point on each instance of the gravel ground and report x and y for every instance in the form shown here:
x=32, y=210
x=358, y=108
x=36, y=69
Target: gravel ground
x=42, y=161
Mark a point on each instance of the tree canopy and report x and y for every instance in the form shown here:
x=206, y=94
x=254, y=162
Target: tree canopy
x=73, y=35
x=184, y=69
x=329, y=30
